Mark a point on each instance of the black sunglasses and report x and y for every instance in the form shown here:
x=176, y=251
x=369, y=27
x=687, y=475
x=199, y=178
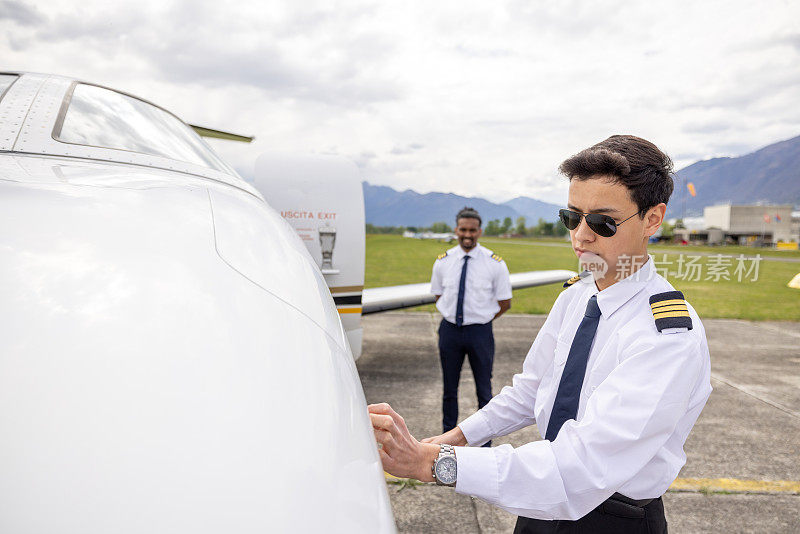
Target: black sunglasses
x=602, y=225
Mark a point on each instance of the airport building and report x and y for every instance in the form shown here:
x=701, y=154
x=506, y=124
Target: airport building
x=744, y=225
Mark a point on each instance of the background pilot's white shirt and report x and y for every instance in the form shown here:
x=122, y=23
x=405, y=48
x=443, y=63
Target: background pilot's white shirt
x=487, y=282
x=641, y=395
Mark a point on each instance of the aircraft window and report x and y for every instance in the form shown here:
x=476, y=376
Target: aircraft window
x=100, y=117
x=5, y=82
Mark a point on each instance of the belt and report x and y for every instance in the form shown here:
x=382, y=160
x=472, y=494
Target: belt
x=465, y=325
x=641, y=503
x=622, y=506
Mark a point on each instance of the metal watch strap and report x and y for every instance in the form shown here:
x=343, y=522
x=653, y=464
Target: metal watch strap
x=444, y=450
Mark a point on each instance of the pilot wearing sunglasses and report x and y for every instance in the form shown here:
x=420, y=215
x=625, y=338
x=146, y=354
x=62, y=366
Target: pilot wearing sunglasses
x=614, y=381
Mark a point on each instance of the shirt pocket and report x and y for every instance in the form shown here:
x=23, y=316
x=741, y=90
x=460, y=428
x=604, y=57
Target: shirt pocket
x=484, y=289
x=561, y=354
x=451, y=281
x=551, y=379
x=604, y=365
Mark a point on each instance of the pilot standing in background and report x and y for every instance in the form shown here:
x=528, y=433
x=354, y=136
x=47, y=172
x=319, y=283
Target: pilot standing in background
x=472, y=288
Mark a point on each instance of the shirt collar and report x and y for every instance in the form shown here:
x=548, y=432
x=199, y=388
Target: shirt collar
x=612, y=298
x=472, y=253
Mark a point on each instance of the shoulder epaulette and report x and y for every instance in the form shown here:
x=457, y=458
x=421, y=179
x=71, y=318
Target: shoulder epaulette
x=495, y=257
x=670, y=310
x=442, y=255
x=576, y=278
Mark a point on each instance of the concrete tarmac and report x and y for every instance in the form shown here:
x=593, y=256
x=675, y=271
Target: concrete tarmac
x=749, y=430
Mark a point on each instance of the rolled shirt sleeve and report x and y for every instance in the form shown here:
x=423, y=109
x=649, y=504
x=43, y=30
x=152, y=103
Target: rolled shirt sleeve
x=628, y=418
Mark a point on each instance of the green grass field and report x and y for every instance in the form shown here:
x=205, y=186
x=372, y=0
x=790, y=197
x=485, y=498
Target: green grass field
x=393, y=260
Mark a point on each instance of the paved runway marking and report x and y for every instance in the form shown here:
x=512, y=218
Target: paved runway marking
x=747, y=391
x=734, y=485
x=694, y=485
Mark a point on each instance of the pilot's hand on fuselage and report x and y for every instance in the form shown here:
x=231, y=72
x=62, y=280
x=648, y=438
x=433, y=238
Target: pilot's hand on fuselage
x=401, y=454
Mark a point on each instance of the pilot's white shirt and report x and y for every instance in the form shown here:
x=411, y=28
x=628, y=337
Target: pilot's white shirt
x=641, y=395
x=487, y=282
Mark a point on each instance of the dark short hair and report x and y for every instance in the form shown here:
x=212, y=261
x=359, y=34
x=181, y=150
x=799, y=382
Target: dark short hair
x=632, y=161
x=468, y=213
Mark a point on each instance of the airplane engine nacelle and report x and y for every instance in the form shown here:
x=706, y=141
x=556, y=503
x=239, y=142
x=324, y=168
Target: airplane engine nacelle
x=321, y=197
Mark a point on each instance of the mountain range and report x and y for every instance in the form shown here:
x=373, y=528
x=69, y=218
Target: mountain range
x=768, y=175
x=387, y=207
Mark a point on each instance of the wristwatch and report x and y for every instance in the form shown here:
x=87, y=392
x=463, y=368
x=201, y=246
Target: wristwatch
x=444, y=467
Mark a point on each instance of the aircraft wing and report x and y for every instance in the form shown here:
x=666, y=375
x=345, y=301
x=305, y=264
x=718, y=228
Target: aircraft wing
x=379, y=299
x=202, y=131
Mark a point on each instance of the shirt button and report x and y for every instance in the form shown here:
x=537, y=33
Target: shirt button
x=594, y=388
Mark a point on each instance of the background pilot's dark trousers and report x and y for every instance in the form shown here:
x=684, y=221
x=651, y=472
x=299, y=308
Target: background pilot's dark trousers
x=476, y=341
x=611, y=517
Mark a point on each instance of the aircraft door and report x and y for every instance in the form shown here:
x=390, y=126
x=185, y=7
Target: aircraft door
x=321, y=197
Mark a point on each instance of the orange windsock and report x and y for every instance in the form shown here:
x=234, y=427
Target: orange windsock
x=692, y=192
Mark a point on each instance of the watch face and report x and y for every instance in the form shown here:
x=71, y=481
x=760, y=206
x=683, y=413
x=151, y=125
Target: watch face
x=446, y=470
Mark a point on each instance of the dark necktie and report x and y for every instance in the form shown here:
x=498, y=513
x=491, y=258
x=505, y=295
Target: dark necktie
x=462, y=284
x=565, y=406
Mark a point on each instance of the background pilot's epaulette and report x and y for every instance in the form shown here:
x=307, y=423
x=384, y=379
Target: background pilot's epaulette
x=442, y=255
x=670, y=310
x=495, y=257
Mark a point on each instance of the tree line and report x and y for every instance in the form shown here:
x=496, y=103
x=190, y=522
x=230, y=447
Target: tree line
x=492, y=228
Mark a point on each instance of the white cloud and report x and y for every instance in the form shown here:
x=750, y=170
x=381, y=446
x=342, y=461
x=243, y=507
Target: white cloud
x=20, y=13
x=475, y=98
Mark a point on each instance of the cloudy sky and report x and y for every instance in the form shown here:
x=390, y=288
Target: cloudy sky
x=477, y=98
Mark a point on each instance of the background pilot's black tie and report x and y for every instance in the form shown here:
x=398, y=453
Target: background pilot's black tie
x=461, y=287
x=565, y=406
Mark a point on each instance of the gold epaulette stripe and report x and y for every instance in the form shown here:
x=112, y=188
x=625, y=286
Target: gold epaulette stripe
x=676, y=307
x=496, y=257
x=442, y=255
x=667, y=303
x=670, y=311
x=664, y=315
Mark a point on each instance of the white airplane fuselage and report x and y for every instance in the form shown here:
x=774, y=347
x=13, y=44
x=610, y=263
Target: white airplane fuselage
x=170, y=357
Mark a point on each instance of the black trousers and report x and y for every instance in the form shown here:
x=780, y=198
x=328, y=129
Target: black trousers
x=611, y=517
x=476, y=341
